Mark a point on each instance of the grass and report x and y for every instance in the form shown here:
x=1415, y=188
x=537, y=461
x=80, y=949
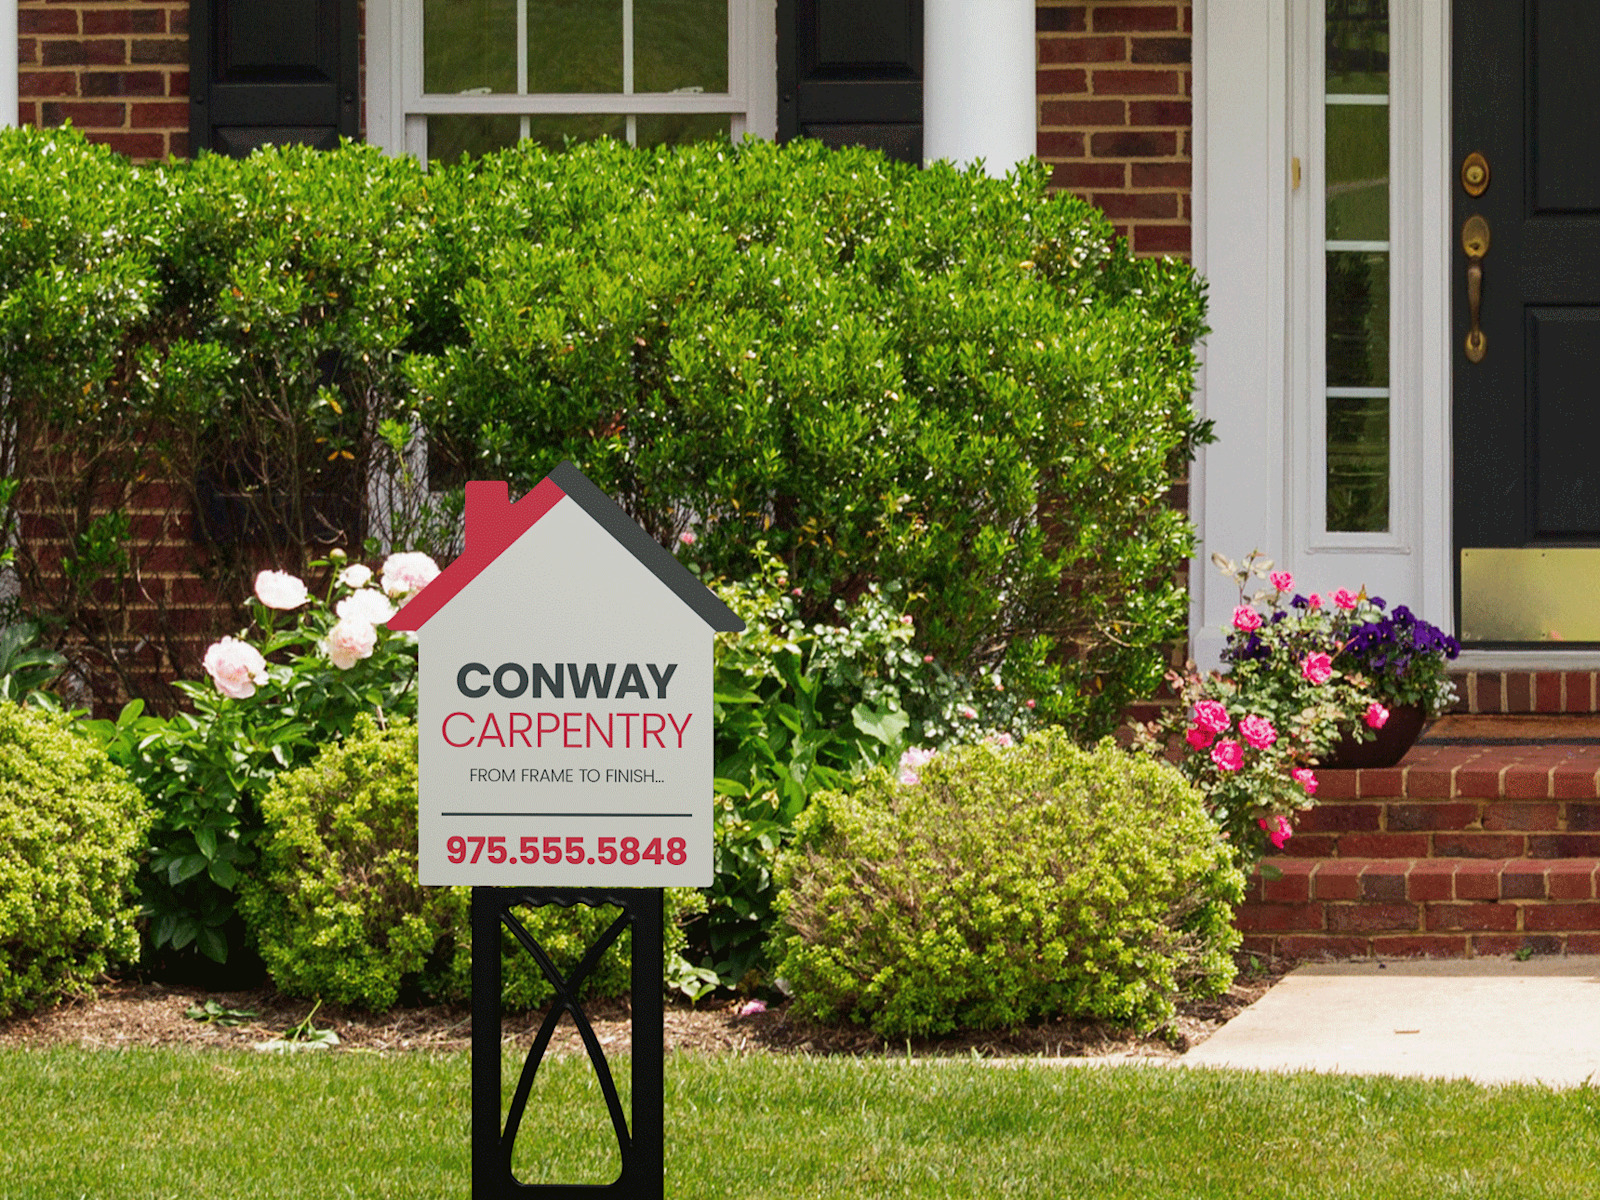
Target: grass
x=154, y=1124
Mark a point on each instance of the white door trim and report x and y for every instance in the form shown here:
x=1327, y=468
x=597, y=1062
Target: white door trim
x=1258, y=107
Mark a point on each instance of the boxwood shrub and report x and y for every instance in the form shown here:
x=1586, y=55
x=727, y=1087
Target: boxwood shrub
x=1008, y=884
x=338, y=911
x=72, y=828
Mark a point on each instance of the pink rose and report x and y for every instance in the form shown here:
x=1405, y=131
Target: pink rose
x=1199, y=737
x=1282, y=580
x=687, y=537
x=910, y=764
x=367, y=605
x=280, y=590
x=1278, y=829
x=1317, y=667
x=1376, y=716
x=1314, y=600
x=1002, y=739
x=1306, y=778
x=1032, y=704
x=1228, y=755
x=235, y=667
x=1344, y=599
x=407, y=573
x=1258, y=731
x=349, y=642
x=967, y=711
x=1246, y=618
x=1211, y=716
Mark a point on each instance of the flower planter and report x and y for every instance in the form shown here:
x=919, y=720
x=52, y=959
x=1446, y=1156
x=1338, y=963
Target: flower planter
x=1397, y=736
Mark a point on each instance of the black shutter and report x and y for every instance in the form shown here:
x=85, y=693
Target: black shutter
x=850, y=73
x=267, y=72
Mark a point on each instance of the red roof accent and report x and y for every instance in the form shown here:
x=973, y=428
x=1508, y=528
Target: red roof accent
x=493, y=523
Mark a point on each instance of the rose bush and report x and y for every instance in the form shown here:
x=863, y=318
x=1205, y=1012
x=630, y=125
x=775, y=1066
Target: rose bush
x=1301, y=672
x=276, y=695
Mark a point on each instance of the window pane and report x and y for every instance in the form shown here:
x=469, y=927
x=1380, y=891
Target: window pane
x=1358, y=464
x=680, y=45
x=451, y=137
x=555, y=132
x=669, y=129
x=1357, y=45
x=574, y=45
x=469, y=45
x=1358, y=318
x=1358, y=172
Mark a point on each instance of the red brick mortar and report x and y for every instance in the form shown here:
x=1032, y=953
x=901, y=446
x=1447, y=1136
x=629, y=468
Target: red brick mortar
x=1115, y=115
x=1527, y=691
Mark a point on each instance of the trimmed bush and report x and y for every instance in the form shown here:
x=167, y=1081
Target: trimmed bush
x=71, y=830
x=339, y=913
x=1035, y=881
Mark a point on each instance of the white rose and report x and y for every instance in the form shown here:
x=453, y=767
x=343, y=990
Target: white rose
x=349, y=642
x=367, y=605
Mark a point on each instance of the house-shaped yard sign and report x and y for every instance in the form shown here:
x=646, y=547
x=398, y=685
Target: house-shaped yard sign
x=565, y=699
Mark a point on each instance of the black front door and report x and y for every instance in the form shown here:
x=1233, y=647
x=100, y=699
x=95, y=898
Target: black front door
x=265, y=72
x=1526, y=78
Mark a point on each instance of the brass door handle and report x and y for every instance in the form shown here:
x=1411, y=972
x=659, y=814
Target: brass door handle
x=1475, y=241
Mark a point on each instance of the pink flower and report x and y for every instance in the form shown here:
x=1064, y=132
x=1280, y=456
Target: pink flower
x=407, y=573
x=350, y=641
x=1282, y=580
x=1258, y=731
x=1344, y=599
x=1228, y=755
x=1278, y=829
x=687, y=537
x=1317, y=667
x=368, y=605
x=1001, y=739
x=1246, y=618
x=927, y=658
x=355, y=576
x=235, y=667
x=905, y=618
x=1306, y=778
x=1032, y=704
x=1211, y=716
x=967, y=711
x=1314, y=600
x=280, y=590
x=911, y=762
x=751, y=1008
x=1376, y=716
x=1199, y=737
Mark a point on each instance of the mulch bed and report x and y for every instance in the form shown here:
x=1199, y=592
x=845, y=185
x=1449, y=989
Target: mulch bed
x=136, y=1013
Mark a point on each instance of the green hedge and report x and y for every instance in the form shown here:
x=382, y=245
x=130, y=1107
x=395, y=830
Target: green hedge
x=931, y=378
x=71, y=829
x=1008, y=884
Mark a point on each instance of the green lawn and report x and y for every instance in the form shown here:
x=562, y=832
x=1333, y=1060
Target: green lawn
x=152, y=1124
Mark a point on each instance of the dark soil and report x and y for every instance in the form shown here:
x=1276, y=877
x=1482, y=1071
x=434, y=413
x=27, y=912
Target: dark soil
x=133, y=1013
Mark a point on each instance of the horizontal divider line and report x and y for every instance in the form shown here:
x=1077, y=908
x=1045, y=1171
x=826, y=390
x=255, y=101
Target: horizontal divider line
x=561, y=814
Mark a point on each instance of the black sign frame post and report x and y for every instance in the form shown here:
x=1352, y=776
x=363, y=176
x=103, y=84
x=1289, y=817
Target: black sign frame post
x=641, y=1141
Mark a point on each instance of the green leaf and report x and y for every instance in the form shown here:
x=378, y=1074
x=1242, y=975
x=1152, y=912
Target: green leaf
x=205, y=839
x=212, y=944
x=223, y=874
x=887, y=725
x=186, y=867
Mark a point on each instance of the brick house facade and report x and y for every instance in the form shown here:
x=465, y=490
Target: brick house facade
x=1113, y=86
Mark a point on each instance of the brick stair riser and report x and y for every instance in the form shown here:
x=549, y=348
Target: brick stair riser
x=1406, y=828
x=1430, y=907
x=1527, y=691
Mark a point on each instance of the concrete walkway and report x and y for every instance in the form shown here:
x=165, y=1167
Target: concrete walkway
x=1491, y=1020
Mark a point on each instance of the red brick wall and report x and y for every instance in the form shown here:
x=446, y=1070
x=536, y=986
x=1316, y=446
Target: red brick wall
x=117, y=71
x=1114, y=87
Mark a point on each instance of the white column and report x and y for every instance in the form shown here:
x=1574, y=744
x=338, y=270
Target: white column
x=978, y=94
x=8, y=64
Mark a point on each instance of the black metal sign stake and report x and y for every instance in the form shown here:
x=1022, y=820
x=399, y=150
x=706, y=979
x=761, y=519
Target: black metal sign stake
x=641, y=1140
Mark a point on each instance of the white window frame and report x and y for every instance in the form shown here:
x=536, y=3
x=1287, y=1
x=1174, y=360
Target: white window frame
x=1258, y=239
x=398, y=109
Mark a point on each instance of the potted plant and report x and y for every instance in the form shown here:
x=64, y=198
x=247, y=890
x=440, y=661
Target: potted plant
x=1304, y=676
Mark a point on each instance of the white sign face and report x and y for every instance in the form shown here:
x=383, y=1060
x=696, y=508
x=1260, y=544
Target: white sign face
x=565, y=720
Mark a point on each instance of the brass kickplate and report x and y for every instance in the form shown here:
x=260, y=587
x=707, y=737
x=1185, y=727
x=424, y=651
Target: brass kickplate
x=1530, y=594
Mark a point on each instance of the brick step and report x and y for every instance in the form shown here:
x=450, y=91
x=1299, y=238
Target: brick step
x=1433, y=907
x=1527, y=691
